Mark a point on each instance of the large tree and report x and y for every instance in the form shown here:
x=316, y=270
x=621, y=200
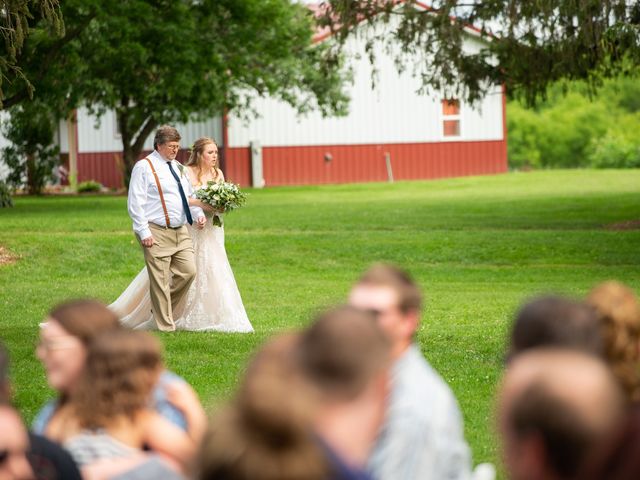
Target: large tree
x=529, y=44
x=167, y=61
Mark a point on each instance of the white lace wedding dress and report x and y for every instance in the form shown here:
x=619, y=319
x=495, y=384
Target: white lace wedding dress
x=213, y=302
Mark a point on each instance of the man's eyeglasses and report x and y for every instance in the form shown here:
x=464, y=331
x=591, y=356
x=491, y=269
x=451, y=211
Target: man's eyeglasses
x=172, y=147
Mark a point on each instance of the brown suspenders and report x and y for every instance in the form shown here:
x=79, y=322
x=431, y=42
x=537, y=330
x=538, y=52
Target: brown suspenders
x=164, y=205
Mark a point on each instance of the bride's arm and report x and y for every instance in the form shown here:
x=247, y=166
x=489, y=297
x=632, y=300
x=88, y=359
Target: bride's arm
x=194, y=202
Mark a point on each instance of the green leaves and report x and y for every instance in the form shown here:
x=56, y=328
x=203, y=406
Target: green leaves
x=225, y=196
x=170, y=61
x=574, y=129
x=528, y=45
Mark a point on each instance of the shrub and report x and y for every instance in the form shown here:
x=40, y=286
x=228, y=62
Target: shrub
x=32, y=154
x=573, y=129
x=615, y=151
x=89, y=186
x=5, y=195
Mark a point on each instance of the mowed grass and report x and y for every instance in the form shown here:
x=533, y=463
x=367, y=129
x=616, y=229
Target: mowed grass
x=478, y=246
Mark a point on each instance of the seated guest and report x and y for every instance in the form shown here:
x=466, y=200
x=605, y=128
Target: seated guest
x=553, y=321
x=14, y=445
x=108, y=418
x=48, y=460
x=265, y=432
x=64, y=338
x=555, y=407
x=422, y=436
x=618, y=312
x=345, y=358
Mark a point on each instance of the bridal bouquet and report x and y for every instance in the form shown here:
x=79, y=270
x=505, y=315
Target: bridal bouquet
x=225, y=196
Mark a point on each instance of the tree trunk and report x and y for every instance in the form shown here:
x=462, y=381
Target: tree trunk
x=132, y=148
x=32, y=181
x=129, y=158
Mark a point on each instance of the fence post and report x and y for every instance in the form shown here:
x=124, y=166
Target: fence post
x=387, y=160
x=257, y=180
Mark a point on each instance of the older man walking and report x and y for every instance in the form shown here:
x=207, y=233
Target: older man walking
x=158, y=205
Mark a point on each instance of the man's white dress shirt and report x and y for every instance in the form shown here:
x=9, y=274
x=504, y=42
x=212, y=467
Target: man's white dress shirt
x=144, y=199
x=422, y=437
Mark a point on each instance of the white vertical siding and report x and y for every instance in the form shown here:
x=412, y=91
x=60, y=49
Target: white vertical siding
x=62, y=137
x=393, y=112
x=4, y=170
x=101, y=135
x=97, y=134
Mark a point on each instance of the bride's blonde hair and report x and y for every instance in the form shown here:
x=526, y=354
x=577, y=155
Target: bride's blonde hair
x=195, y=157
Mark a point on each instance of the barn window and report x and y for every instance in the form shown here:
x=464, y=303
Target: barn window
x=450, y=117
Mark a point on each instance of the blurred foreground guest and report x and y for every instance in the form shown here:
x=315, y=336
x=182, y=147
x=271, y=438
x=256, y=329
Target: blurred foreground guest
x=14, y=444
x=618, y=457
x=345, y=357
x=109, y=420
x=65, y=336
x=553, y=321
x=554, y=409
x=618, y=312
x=422, y=437
x=265, y=433
x=48, y=460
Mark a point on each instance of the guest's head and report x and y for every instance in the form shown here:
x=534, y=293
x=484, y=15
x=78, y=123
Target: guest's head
x=554, y=408
x=553, y=321
x=395, y=299
x=14, y=444
x=345, y=356
x=204, y=155
x=167, y=141
x=265, y=433
x=618, y=313
x=65, y=336
x=121, y=370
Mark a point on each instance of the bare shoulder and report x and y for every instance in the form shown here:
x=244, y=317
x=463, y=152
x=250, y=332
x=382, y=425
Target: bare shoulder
x=191, y=173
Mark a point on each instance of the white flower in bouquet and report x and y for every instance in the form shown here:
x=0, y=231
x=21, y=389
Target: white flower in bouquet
x=225, y=196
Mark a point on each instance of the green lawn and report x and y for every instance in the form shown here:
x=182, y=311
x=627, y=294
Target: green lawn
x=479, y=246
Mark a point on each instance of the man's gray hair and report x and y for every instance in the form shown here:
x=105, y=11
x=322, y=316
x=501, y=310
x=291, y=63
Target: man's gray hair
x=165, y=134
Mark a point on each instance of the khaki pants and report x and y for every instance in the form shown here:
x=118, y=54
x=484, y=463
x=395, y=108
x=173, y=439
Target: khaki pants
x=172, y=268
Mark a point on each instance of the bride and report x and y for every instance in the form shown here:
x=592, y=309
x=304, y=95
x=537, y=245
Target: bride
x=213, y=302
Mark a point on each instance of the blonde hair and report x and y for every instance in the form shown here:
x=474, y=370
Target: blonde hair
x=265, y=433
x=121, y=370
x=618, y=312
x=195, y=157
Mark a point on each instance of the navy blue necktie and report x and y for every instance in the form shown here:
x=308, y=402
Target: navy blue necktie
x=185, y=204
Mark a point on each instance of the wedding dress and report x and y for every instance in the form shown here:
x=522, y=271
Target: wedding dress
x=213, y=302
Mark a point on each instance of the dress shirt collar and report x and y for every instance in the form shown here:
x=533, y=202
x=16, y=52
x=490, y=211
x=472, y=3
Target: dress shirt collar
x=157, y=155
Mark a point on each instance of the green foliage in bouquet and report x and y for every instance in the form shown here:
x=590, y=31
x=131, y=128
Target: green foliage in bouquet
x=224, y=197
